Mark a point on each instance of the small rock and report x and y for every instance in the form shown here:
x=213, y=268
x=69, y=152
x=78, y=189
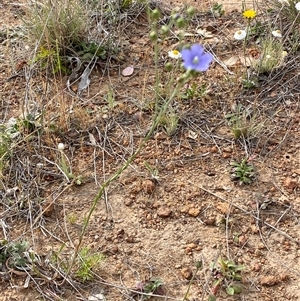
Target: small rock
x=164, y=212
x=191, y=246
x=114, y=249
x=188, y=251
x=194, y=212
x=223, y=208
x=210, y=221
x=227, y=149
x=226, y=155
x=297, y=171
x=290, y=183
x=210, y=173
x=186, y=273
x=269, y=280
x=48, y=208
x=148, y=186
x=242, y=240
x=214, y=149
x=128, y=202
x=256, y=267
x=97, y=297
x=130, y=239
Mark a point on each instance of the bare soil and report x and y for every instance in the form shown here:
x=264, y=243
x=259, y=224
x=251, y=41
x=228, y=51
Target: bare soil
x=192, y=212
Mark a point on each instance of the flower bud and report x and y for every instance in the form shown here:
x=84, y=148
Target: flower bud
x=180, y=22
x=165, y=29
x=153, y=36
x=191, y=11
x=169, y=66
x=181, y=79
x=199, y=264
x=155, y=14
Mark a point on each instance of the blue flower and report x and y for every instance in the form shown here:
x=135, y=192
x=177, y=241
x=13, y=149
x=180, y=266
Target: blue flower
x=196, y=59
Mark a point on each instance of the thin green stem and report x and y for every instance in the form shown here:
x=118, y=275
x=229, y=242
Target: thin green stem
x=190, y=283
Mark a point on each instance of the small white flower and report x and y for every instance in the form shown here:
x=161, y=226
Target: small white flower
x=61, y=146
x=240, y=34
x=268, y=56
x=284, y=54
x=174, y=54
x=297, y=6
x=277, y=33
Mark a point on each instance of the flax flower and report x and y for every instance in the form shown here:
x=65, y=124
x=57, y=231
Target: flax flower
x=196, y=59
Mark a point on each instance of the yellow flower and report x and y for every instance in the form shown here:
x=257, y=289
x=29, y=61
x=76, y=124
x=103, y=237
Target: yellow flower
x=249, y=14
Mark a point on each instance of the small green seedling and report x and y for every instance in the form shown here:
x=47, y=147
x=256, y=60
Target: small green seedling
x=242, y=171
x=227, y=274
x=169, y=122
x=243, y=122
x=250, y=83
x=13, y=253
x=153, y=171
x=87, y=261
x=217, y=10
x=152, y=287
x=45, y=56
x=5, y=142
x=272, y=57
x=194, y=91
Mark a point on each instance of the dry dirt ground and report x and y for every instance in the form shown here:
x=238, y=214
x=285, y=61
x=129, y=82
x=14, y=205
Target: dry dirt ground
x=160, y=227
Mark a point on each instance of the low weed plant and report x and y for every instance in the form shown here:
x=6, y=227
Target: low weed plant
x=12, y=254
x=243, y=122
x=87, y=262
x=242, y=171
x=227, y=274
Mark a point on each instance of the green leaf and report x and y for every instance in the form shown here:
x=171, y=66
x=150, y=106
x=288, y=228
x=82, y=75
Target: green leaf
x=237, y=288
x=230, y=290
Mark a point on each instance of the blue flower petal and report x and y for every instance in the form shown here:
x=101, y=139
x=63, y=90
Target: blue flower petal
x=197, y=49
x=195, y=58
